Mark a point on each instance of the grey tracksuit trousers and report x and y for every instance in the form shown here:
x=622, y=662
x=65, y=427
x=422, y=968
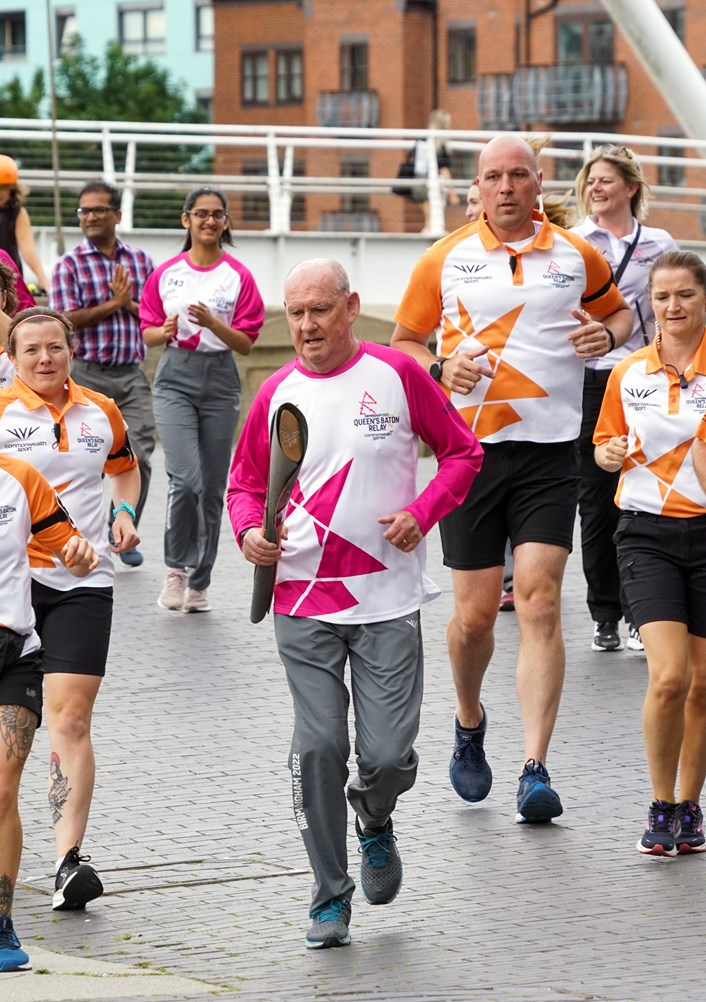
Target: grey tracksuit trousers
x=196, y=407
x=386, y=673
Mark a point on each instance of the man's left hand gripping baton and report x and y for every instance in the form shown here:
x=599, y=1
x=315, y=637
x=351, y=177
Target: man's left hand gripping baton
x=288, y=439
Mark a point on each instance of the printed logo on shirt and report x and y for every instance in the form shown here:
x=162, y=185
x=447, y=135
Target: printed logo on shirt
x=470, y=273
x=7, y=513
x=23, y=433
x=25, y=442
x=558, y=278
x=697, y=400
x=87, y=438
x=639, y=396
x=366, y=404
x=376, y=425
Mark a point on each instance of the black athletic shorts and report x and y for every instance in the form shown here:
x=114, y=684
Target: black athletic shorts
x=526, y=492
x=20, y=677
x=74, y=627
x=662, y=564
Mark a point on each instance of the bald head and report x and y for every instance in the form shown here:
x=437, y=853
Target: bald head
x=509, y=182
x=321, y=311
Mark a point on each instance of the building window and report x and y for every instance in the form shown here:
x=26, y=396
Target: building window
x=354, y=66
x=585, y=40
x=64, y=31
x=142, y=30
x=204, y=27
x=204, y=101
x=13, y=38
x=461, y=55
x=672, y=175
x=256, y=82
x=355, y=202
x=290, y=77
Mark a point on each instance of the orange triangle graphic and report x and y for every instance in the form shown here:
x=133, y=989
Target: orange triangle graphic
x=667, y=466
x=493, y=417
x=680, y=505
x=496, y=335
x=511, y=384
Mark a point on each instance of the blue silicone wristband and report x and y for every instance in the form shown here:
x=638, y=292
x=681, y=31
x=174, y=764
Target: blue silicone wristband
x=124, y=506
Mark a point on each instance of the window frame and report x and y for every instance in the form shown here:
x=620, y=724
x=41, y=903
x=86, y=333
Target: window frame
x=289, y=54
x=148, y=46
x=9, y=20
x=354, y=73
x=457, y=35
x=585, y=22
x=199, y=37
x=247, y=56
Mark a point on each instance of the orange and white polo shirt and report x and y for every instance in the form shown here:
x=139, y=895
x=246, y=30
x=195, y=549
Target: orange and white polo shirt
x=475, y=291
x=29, y=509
x=72, y=449
x=644, y=401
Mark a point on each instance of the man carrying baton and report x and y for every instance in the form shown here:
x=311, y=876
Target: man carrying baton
x=351, y=575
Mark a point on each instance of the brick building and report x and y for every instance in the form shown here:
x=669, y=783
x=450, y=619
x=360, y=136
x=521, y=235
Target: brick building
x=529, y=65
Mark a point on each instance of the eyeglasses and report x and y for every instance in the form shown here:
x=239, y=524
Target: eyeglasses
x=98, y=210
x=218, y=215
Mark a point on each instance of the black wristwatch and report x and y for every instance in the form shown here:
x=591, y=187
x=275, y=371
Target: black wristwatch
x=436, y=367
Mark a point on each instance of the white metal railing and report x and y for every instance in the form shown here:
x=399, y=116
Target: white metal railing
x=119, y=146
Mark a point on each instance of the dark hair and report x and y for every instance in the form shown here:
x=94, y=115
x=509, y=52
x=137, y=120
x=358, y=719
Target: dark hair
x=35, y=315
x=103, y=188
x=8, y=279
x=671, y=260
x=191, y=199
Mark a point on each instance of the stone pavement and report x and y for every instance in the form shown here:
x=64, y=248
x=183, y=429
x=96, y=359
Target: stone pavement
x=206, y=880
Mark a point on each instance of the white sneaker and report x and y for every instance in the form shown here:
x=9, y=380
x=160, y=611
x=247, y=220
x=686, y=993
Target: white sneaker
x=196, y=601
x=172, y=594
x=634, y=641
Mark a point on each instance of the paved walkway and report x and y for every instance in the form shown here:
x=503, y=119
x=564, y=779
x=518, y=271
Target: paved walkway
x=206, y=879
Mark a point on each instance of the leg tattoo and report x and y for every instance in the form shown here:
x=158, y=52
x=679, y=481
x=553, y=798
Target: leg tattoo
x=17, y=727
x=59, y=790
x=7, y=891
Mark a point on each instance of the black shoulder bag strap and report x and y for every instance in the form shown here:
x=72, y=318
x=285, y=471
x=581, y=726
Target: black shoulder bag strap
x=619, y=274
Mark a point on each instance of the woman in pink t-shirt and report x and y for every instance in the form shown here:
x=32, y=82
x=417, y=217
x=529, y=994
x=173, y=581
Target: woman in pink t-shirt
x=202, y=305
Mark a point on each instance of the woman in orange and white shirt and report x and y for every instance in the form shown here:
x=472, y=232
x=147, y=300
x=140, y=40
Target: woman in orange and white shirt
x=651, y=428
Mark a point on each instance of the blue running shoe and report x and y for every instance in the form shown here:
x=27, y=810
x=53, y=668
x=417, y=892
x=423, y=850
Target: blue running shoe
x=662, y=830
x=469, y=772
x=380, y=864
x=12, y=956
x=329, y=925
x=536, y=801
x=131, y=558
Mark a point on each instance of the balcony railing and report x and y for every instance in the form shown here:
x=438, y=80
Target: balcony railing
x=568, y=94
x=355, y=109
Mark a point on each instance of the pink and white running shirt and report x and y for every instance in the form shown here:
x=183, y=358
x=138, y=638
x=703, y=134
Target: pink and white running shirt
x=227, y=288
x=365, y=419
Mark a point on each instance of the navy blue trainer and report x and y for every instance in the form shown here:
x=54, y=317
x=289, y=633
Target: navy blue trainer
x=469, y=772
x=536, y=801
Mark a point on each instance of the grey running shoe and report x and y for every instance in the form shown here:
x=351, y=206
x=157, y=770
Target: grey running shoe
x=172, y=594
x=329, y=925
x=606, y=637
x=77, y=883
x=380, y=864
x=196, y=601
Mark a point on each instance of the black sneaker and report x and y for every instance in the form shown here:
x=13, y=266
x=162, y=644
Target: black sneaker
x=77, y=883
x=691, y=836
x=329, y=925
x=12, y=956
x=469, y=772
x=380, y=864
x=536, y=801
x=606, y=637
x=662, y=831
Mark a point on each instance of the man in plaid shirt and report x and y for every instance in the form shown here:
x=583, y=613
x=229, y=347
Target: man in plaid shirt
x=97, y=286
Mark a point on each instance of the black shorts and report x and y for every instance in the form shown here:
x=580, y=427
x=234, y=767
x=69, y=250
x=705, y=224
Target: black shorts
x=74, y=627
x=20, y=677
x=525, y=492
x=662, y=564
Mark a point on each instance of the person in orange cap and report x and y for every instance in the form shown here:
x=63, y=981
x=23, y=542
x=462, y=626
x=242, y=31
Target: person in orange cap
x=15, y=225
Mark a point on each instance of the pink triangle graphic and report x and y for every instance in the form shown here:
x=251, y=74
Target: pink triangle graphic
x=190, y=343
x=322, y=503
x=325, y=598
x=342, y=559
